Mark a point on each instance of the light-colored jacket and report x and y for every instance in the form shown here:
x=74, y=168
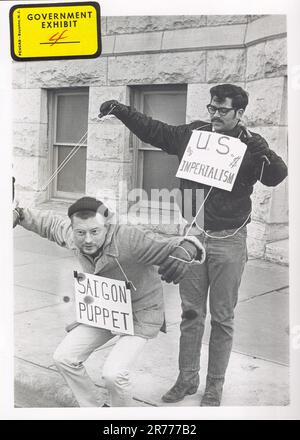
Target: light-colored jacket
x=137, y=251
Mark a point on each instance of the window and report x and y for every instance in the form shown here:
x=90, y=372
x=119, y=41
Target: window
x=155, y=169
x=69, y=129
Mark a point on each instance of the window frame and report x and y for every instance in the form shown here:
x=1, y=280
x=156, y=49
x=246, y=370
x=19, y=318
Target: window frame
x=136, y=100
x=53, y=193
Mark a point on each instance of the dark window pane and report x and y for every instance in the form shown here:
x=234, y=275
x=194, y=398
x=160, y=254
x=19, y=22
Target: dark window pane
x=159, y=168
x=72, y=177
x=159, y=171
x=72, y=118
x=167, y=107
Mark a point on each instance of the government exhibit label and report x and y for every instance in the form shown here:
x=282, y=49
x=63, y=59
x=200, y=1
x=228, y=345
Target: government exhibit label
x=103, y=302
x=54, y=31
x=212, y=159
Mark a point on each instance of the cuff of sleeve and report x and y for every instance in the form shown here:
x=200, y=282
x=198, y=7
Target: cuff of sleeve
x=201, y=254
x=20, y=213
x=121, y=111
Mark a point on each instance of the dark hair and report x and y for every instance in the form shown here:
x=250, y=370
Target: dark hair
x=89, y=206
x=238, y=95
x=84, y=214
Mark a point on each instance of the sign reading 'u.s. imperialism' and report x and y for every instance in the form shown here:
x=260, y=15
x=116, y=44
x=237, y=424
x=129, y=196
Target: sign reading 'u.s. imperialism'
x=212, y=159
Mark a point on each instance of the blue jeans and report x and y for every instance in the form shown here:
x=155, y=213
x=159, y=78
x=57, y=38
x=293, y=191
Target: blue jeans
x=220, y=275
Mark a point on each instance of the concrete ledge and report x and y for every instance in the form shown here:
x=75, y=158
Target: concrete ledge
x=108, y=44
x=218, y=20
x=265, y=28
x=40, y=387
x=143, y=42
x=132, y=24
x=204, y=37
x=278, y=252
x=237, y=34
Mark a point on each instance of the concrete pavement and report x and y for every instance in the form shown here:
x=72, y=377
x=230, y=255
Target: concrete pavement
x=258, y=372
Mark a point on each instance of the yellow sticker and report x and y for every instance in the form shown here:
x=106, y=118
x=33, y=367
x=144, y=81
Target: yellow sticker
x=55, y=31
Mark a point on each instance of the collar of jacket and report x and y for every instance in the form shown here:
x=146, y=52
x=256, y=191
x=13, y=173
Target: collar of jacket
x=236, y=132
x=110, y=245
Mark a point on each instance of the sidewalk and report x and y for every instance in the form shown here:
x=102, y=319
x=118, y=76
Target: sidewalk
x=258, y=370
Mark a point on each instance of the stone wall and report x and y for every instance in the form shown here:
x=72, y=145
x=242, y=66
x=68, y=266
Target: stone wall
x=199, y=51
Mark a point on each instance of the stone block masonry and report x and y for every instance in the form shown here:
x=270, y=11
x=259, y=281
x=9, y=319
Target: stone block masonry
x=195, y=50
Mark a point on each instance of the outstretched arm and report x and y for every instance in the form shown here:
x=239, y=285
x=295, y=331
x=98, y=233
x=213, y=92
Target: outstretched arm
x=173, y=255
x=46, y=224
x=159, y=134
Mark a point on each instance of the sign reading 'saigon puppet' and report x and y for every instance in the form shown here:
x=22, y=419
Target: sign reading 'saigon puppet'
x=212, y=159
x=103, y=302
x=54, y=31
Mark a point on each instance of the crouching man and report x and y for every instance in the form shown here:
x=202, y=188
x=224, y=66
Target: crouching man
x=120, y=252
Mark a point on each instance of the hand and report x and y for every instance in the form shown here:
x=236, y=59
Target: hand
x=245, y=130
x=257, y=147
x=16, y=218
x=109, y=107
x=176, y=265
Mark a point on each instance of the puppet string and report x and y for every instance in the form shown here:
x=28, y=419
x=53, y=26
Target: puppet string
x=72, y=153
x=65, y=161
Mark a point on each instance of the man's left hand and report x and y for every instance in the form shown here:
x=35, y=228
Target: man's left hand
x=257, y=147
x=176, y=265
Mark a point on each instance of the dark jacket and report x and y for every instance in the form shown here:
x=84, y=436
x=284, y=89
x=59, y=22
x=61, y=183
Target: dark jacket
x=223, y=209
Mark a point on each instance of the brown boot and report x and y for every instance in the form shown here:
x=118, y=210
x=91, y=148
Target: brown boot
x=181, y=389
x=213, y=392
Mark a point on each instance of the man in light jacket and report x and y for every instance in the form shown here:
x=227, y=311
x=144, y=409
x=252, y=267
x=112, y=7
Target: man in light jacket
x=119, y=252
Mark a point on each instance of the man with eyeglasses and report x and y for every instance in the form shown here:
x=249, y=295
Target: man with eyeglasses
x=224, y=233
x=121, y=252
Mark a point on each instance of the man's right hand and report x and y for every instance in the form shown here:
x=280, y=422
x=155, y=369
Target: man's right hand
x=16, y=218
x=111, y=107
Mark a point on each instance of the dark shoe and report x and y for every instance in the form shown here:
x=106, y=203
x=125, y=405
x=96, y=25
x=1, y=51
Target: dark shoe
x=105, y=406
x=213, y=392
x=180, y=390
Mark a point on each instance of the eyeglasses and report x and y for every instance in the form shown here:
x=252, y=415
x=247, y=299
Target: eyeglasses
x=222, y=110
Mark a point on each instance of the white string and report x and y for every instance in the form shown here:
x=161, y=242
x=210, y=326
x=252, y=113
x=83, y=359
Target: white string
x=202, y=126
x=180, y=259
x=202, y=204
x=65, y=161
x=123, y=272
x=72, y=153
x=194, y=221
x=225, y=236
x=63, y=164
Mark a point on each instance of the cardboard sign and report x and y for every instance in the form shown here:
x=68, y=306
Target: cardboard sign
x=53, y=31
x=103, y=302
x=212, y=158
